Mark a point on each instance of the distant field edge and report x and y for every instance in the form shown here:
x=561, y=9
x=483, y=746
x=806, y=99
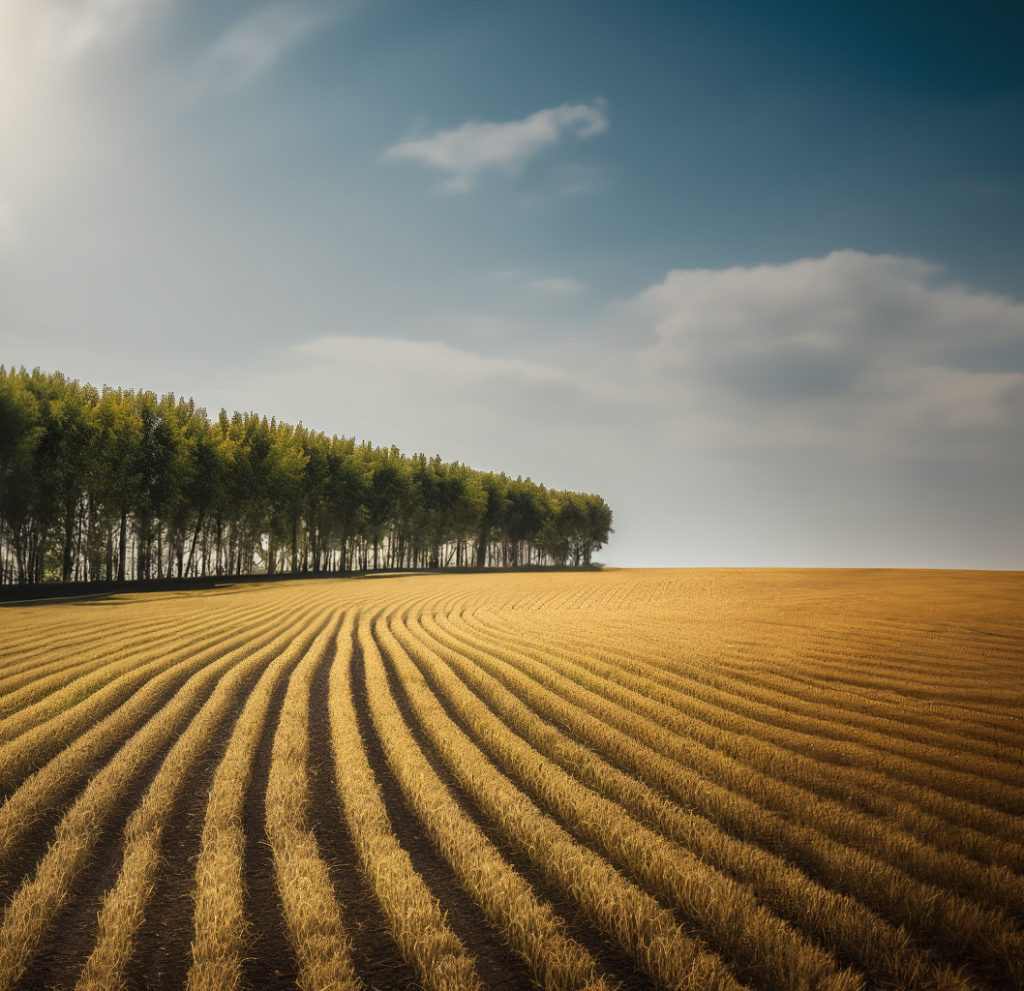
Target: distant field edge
x=48, y=591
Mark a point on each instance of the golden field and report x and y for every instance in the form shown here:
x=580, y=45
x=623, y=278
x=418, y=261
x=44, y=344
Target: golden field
x=706, y=779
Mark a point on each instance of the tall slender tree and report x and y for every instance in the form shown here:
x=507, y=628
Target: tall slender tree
x=127, y=484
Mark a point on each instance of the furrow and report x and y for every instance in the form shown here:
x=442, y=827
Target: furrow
x=125, y=905
x=796, y=774
x=748, y=808
x=312, y=916
x=58, y=778
x=625, y=913
x=416, y=919
x=527, y=924
x=34, y=906
x=844, y=926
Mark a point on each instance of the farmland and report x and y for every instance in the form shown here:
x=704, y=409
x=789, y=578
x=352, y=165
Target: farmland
x=655, y=779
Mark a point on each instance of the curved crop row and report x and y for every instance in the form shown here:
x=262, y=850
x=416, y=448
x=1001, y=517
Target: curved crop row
x=37, y=731
x=58, y=777
x=417, y=922
x=841, y=924
x=312, y=916
x=767, y=951
x=125, y=904
x=526, y=922
x=767, y=762
x=676, y=779
x=220, y=924
x=984, y=935
x=629, y=916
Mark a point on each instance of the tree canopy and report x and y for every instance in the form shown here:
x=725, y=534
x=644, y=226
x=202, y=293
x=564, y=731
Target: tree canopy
x=121, y=484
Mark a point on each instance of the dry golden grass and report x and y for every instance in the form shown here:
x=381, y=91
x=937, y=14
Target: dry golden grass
x=841, y=924
x=624, y=912
x=59, y=776
x=764, y=949
x=693, y=778
x=836, y=843
x=415, y=917
x=125, y=904
x=525, y=921
x=36, y=903
x=35, y=733
x=312, y=916
x=220, y=926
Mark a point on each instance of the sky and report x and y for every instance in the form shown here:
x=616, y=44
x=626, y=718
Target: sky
x=753, y=272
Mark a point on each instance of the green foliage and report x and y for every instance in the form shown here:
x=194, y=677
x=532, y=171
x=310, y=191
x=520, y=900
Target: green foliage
x=96, y=485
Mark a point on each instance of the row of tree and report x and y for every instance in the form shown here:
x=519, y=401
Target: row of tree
x=118, y=484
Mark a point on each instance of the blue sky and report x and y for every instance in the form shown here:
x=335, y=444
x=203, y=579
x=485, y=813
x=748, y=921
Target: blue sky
x=754, y=272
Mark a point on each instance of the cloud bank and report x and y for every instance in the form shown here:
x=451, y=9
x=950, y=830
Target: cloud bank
x=476, y=147
x=71, y=29
x=851, y=355
x=851, y=349
x=255, y=43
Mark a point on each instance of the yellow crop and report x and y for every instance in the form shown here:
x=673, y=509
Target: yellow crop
x=678, y=779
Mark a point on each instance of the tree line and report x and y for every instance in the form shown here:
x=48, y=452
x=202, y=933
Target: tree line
x=118, y=484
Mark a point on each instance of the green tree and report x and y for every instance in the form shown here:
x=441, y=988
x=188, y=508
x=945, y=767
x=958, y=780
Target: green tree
x=92, y=483
x=116, y=439
x=21, y=430
x=63, y=458
x=492, y=520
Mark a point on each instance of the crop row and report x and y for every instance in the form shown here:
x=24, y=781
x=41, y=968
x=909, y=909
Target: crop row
x=593, y=771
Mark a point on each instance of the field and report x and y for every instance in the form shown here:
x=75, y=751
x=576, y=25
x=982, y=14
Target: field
x=655, y=779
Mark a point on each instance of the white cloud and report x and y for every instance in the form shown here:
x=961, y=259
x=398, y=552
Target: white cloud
x=69, y=28
x=252, y=45
x=559, y=287
x=851, y=355
x=948, y=400
x=849, y=410
x=435, y=397
x=853, y=349
x=465, y=152
x=433, y=361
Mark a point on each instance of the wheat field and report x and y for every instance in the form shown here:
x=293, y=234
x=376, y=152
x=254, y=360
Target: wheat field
x=705, y=779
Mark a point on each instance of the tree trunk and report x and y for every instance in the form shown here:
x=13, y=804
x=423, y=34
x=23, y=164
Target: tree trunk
x=141, y=539
x=192, y=549
x=69, y=540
